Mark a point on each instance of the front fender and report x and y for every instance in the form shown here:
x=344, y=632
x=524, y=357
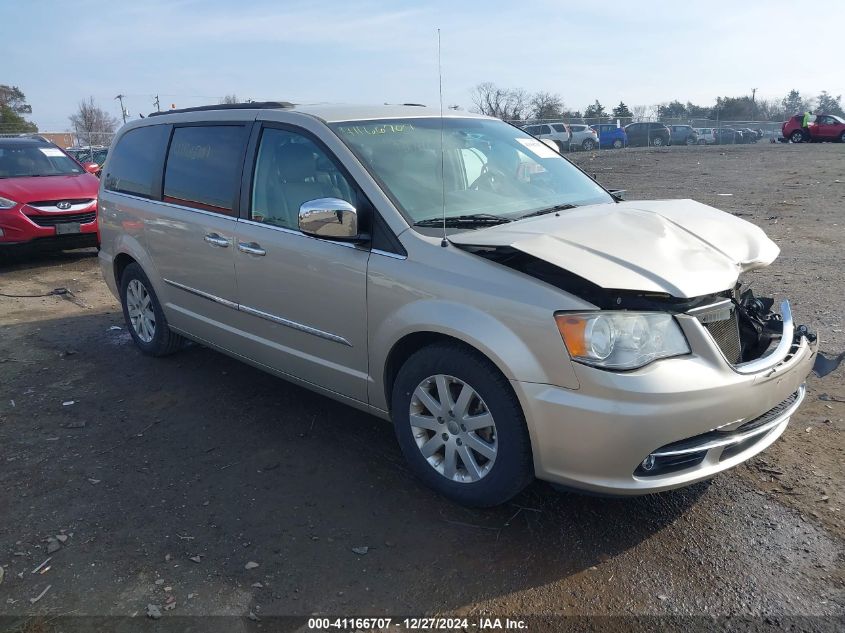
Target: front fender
x=494, y=338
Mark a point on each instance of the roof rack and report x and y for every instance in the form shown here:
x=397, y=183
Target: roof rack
x=252, y=105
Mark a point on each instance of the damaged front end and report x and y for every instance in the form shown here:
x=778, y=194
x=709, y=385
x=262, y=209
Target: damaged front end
x=750, y=334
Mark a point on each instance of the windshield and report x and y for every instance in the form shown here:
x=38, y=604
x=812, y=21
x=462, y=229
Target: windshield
x=489, y=168
x=18, y=161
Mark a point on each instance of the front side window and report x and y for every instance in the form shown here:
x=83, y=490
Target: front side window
x=19, y=161
x=136, y=162
x=204, y=167
x=544, y=129
x=507, y=173
x=292, y=169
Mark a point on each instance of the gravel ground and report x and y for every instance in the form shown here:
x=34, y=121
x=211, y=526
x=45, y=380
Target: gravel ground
x=160, y=481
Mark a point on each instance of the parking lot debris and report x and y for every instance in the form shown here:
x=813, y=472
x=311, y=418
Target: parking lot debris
x=37, y=569
x=824, y=364
x=196, y=559
x=153, y=611
x=40, y=595
x=115, y=327
x=828, y=398
x=53, y=545
x=253, y=617
x=257, y=585
x=68, y=403
x=94, y=482
x=159, y=581
x=251, y=565
x=361, y=550
x=61, y=538
x=2, y=574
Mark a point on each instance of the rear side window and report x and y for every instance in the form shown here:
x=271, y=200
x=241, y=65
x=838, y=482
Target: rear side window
x=558, y=127
x=204, y=167
x=134, y=166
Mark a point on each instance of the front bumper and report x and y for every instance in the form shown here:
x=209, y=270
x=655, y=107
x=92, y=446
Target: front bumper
x=596, y=437
x=24, y=225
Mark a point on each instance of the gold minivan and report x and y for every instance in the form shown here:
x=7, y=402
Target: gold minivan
x=460, y=278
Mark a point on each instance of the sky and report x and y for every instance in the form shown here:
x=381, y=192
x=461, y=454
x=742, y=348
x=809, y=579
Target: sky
x=193, y=52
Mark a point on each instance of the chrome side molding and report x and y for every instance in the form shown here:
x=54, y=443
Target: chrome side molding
x=300, y=327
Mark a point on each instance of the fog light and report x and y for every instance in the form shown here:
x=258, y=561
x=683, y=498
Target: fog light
x=648, y=463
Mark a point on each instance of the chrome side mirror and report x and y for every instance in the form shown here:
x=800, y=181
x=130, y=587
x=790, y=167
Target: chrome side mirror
x=329, y=218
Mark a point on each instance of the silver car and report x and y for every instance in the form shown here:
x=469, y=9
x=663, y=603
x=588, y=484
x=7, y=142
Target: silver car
x=459, y=278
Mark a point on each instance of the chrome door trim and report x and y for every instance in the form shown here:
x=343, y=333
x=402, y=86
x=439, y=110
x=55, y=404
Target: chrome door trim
x=307, y=329
x=204, y=295
x=296, y=326
x=294, y=232
x=170, y=204
x=378, y=251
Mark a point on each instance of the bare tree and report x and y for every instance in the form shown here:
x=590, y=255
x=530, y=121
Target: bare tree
x=507, y=104
x=545, y=105
x=93, y=126
x=232, y=98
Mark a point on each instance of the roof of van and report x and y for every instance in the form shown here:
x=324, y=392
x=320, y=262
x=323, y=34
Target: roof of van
x=331, y=113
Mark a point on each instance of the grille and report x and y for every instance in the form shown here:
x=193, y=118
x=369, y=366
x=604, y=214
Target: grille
x=53, y=203
x=726, y=335
x=53, y=220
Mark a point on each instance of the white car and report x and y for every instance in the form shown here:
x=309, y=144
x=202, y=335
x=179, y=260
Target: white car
x=706, y=136
x=557, y=132
x=583, y=137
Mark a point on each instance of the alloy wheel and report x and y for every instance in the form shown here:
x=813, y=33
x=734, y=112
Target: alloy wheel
x=140, y=309
x=453, y=428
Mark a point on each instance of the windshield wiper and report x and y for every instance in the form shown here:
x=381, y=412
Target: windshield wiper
x=557, y=207
x=475, y=219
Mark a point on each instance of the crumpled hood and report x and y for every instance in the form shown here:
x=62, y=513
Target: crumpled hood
x=72, y=186
x=680, y=247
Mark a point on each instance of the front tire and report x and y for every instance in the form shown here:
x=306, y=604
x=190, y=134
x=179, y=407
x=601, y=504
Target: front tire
x=842, y=137
x=460, y=426
x=588, y=145
x=690, y=141
x=144, y=317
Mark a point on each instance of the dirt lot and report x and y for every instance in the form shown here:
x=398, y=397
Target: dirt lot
x=164, y=479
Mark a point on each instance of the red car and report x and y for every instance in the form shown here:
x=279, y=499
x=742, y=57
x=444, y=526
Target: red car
x=46, y=197
x=822, y=127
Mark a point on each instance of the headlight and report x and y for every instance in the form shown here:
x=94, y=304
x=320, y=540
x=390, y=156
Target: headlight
x=620, y=340
x=5, y=203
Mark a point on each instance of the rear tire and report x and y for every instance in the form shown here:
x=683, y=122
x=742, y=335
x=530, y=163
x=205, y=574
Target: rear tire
x=842, y=137
x=144, y=317
x=417, y=393
x=797, y=136
x=657, y=141
x=690, y=140
x=588, y=145
x=617, y=144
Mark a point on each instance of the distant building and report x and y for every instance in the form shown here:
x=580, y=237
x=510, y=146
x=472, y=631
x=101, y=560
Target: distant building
x=62, y=139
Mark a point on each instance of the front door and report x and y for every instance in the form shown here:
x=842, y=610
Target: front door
x=302, y=299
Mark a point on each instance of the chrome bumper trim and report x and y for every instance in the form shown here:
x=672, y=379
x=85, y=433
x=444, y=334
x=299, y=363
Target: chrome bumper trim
x=737, y=438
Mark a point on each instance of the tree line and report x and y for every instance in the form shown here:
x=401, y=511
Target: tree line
x=516, y=104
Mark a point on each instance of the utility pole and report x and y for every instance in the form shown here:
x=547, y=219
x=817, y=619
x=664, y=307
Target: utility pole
x=753, y=95
x=122, y=109
x=157, y=105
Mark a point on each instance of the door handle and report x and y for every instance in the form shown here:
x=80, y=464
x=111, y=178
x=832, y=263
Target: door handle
x=251, y=248
x=216, y=240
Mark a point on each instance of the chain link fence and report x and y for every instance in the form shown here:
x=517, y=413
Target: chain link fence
x=600, y=133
